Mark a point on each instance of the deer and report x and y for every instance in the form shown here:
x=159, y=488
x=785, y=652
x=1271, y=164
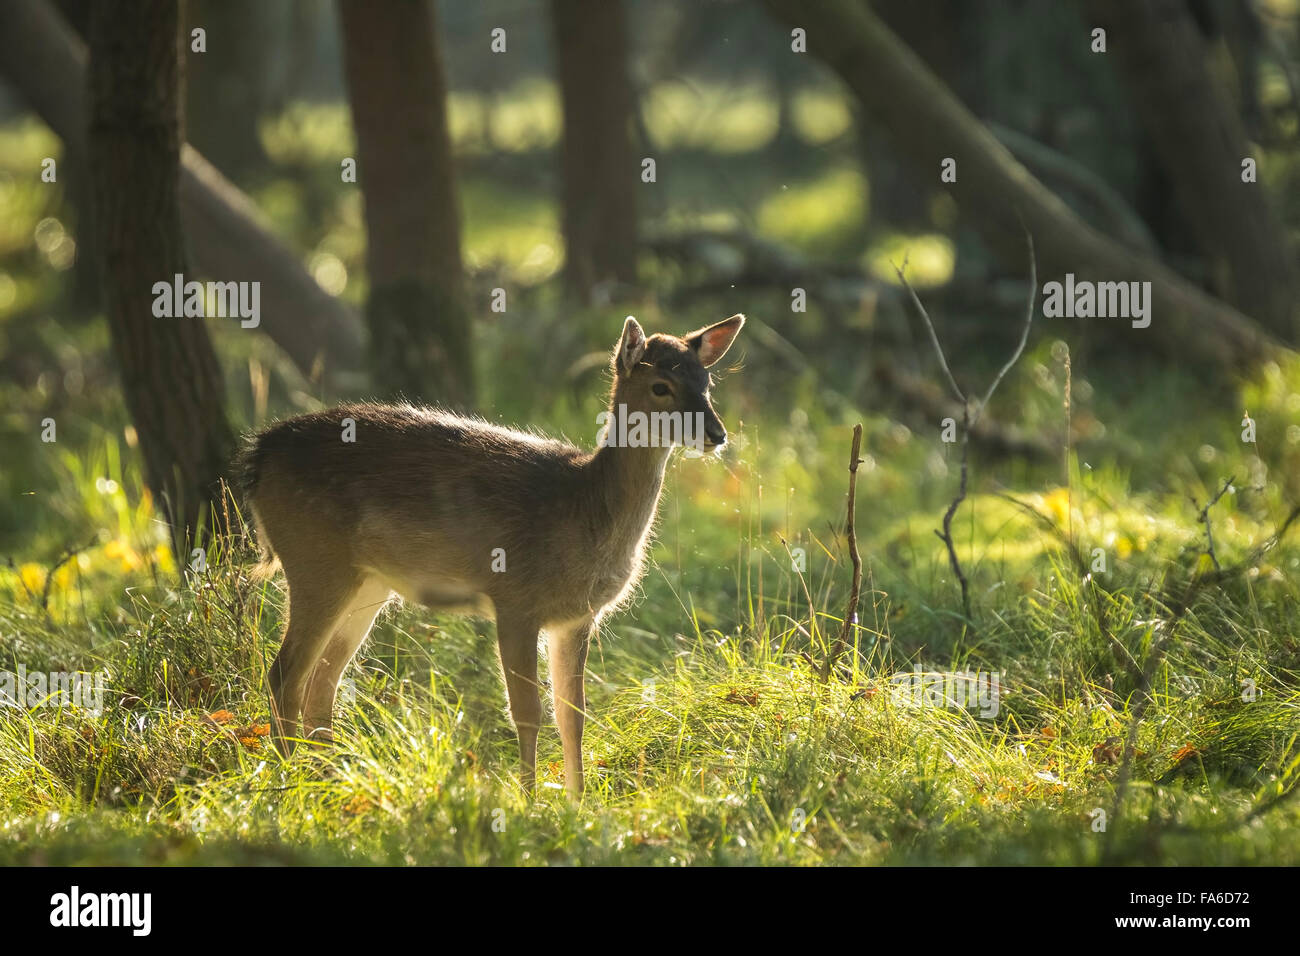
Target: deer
x=463, y=516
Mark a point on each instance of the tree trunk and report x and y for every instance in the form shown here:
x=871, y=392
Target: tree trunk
x=227, y=237
x=419, y=320
x=1000, y=198
x=170, y=376
x=599, y=169
x=1200, y=143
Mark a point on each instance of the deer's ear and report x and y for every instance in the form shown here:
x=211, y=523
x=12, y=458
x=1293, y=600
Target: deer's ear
x=631, y=346
x=713, y=341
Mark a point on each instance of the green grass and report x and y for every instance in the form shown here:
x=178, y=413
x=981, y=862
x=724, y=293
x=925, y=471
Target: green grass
x=712, y=738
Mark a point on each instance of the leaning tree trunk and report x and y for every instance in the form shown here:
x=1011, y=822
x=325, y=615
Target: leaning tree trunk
x=419, y=320
x=598, y=161
x=170, y=377
x=228, y=236
x=1200, y=142
x=1001, y=199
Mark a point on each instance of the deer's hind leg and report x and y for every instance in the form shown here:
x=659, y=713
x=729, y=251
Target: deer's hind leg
x=319, y=597
x=352, y=628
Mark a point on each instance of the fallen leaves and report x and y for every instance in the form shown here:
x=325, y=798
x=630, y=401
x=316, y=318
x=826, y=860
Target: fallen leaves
x=251, y=736
x=1106, y=752
x=359, y=804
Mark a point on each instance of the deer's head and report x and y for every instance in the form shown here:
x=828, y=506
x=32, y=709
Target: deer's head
x=666, y=379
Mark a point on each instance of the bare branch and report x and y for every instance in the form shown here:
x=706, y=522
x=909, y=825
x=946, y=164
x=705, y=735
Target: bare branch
x=968, y=422
x=1257, y=552
x=43, y=599
x=850, y=532
x=929, y=327
x=946, y=536
x=1204, y=518
x=1024, y=333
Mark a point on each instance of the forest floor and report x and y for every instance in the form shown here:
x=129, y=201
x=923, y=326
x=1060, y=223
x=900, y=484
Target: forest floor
x=712, y=737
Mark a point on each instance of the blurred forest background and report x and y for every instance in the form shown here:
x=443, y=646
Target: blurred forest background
x=798, y=154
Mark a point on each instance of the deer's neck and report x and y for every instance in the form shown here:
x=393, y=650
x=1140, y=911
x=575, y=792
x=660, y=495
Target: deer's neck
x=626, y=483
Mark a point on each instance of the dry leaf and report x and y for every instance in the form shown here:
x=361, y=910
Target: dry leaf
x=358, y=805
x=1106, y=752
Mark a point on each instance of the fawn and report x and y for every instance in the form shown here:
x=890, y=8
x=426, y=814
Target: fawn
x=458, y=514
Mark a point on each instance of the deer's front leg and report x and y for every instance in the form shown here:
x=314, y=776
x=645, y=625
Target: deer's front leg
x=568, y=654
x=517, y=641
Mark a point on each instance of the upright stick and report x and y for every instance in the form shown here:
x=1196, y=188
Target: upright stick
x=851, y=613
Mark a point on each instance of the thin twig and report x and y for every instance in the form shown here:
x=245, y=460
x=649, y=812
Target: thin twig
x=49, y=578
x=1024, y=333
x=929, y=328
x=1255, y=554
x=946, y=535
x=44, y=599
x=850, y=532
x=1204, y=518
x=31, y=595
x=969, y=421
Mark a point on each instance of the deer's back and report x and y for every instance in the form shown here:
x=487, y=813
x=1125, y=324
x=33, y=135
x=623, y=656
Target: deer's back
x=446, y=508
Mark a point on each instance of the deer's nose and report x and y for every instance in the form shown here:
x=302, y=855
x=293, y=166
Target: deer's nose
x=715, y=433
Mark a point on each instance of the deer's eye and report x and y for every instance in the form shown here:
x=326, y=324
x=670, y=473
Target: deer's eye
x=659, y=388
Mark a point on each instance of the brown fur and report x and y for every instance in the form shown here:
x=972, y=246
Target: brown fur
x=418, y=504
